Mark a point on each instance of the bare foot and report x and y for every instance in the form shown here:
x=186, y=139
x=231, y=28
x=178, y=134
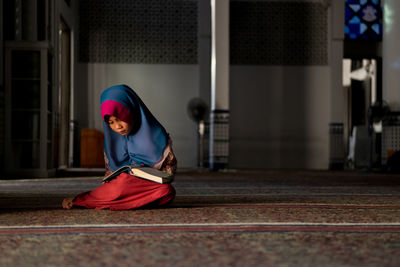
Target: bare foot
x=67, y=203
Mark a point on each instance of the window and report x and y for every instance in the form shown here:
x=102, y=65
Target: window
x=363, y=20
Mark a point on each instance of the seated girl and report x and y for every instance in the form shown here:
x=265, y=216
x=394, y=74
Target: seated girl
x=132, y=136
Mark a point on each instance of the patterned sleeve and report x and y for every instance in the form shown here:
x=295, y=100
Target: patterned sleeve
x=170, y=163
x=108, y=171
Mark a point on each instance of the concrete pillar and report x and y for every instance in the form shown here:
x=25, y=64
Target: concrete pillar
x=337, y=109
x=219, y=116
x=391, y=54
x=1, y=50
x=204, y=50
x=29, y=20
x=337, y=128
x=2, y=103
x=18, y=19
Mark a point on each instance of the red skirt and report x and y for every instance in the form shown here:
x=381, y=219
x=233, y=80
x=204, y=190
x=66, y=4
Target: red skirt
x=126, y=192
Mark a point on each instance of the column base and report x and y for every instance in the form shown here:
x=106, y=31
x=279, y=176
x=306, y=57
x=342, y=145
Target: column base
x=219, y=139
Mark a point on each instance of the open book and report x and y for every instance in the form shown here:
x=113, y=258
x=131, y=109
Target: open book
x=142, y=172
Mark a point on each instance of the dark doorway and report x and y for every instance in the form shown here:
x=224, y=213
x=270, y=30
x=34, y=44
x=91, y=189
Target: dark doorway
x=65, y=142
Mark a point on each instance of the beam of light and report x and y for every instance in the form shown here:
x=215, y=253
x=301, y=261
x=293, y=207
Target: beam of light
x=387, y=17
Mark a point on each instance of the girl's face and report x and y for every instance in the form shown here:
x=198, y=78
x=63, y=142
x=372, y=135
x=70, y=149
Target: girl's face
x=119, y=126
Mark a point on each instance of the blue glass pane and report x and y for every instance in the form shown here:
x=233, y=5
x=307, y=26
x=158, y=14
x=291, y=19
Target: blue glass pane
x=354, y=28
x=363, y=28
x=376, y=27
x=354, y=20
x=347, y=13
x=363, y=20
x=355, y=8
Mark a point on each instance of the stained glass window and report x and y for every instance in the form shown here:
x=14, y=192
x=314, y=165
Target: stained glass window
x=363, y=20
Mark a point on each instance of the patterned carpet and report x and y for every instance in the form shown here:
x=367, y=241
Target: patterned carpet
x=237, y=218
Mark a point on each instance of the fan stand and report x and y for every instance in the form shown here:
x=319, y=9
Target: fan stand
x=198, y=110
x=201, y=129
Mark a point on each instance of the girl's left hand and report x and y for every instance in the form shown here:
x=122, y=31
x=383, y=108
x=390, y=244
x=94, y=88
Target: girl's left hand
x=68, y=203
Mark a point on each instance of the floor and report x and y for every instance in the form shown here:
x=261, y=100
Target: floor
x=232, y=218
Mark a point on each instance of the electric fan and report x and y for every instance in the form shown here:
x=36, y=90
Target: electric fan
x=198, y=111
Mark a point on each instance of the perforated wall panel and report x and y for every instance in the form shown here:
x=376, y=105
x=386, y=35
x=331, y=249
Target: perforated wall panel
x=138, y=31
x=165, y=32
x=278, y=33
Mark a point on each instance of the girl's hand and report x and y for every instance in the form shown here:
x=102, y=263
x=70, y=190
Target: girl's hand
x=67, y=203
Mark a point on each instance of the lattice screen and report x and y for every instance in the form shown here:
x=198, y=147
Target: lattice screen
x=165, y=32
x=278, y=33
x=138, y=31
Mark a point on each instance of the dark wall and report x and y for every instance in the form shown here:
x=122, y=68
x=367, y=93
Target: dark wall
x=2, y=119
x=278, y=33
x=140, y=31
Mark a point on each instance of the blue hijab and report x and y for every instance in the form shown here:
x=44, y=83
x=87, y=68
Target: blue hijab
x=145, y=144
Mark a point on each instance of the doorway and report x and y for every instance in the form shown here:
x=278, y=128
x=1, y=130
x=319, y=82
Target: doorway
x=363, y=87
x=65, y=137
